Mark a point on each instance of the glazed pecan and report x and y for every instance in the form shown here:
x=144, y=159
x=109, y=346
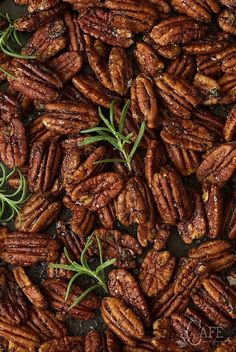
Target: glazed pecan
x=178, y=30
x=196, y=227
x=123, y=285
x=183, y=66
x=209, y=120
x=148, y=59
x=177, y=95
x=227, y=21
x=230, y=125
x=75, y=41
x=84, y=4
x=199, y=10
x=5, y=62
x=187, y=134
x=35, y=81
x=67, y=65
x=66, y=117
x=66, y=344
x=156, y=272
x=107, y=216
x=59, y=273
x=227, y=84
x=122, y=320
x=213, y=200
x=186, y=161
x=40, y=5
x=170, y=51
x=216, y=254
x=13, y=306
x=208, y=87
x=38, y=213
x=229, y=218
x=98, y=23
x=161, y=237
x=227, y=345
x=47, y=41
x=95, y=340
x=19, y=248
x=31, y=291
x=96, y=192
x=37, y=132
x=121, y=246
x=218, y=165
x=10, y=109
x=13, y=146
x=56, y=290
x=171, y=197
x=155, y=158
x=144, y=105
x=45, y=324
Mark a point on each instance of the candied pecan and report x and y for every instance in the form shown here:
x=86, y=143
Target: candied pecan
x=218, y=165
x=227, y=21
x=183, y=67
x=227, y=84
x=13, y=306
x=119, y=245
x=161, y=236
x=162, y=6
x=32, y=21
x=178, y=30
x=122, y=320
x=208, y=87
x=107, y=216
x=156, y=272
x=37, y=132
x=171, y=197
x=227, y=345
x=56, y=290
x=96, y=192
x=187, y=134
x=31, y=290
x=35, y=81
x=47, y=41
x=190, y=332
x=67, y=64
x=9, y=107
x=209, y=45
x=207, y=119
x=216, y=254
x=144, y=106
x=229, y=218
x=98, y=23
x=177, y=95
x=155, y=158
x=186, y=161
x=45, y=324
x=209, y=65
x=66, y=117
x=213, y=200
x=196, y=227
x=5, y=62
x=123, y=285
x=59, y=273
x=148, y=59
x=40, y=5
x=38, y=213
x=19, y=248
x=65, y=344
x=200, y=10
x=230, y=125
x=95, y=340
x=76, y=40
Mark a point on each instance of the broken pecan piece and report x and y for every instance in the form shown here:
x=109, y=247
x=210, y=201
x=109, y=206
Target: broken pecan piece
x=199, y=10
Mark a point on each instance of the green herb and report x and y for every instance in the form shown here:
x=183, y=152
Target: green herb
x=116, y=138
x=9, y=39
x=10, y=203
x=83, y=268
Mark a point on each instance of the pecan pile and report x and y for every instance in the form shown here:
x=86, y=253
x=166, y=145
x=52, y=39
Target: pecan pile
x=175, y=61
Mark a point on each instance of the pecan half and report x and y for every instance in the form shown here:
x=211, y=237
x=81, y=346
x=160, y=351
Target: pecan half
x=56, y=290
x=227, y=84
x=171, y=197
x=209, y=120
x=38, y=213
x=213, y=200
x=208, y=87
x=186, y=161
x=122, y=320
x=227, y=21
x=218, y=165
x=199, y=10
x=230, y=125
x=13, y=146
x=59, y=273
x=156, y=272
x=183, y=66
x=155, y=158
x=148, y=59
x=229, y=218
x=177, y=95
x=178, y=30
x=10, y=109
x=67, y=344
x=37, y=132
x=5, y=62
x=123, y=285
x=209, y=45
x=107, y=216
x=67, y=64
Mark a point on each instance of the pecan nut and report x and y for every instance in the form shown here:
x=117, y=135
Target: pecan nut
x=67, y=65
x=67, y=344
x=227, y=21
x=207, y=46
x=10, y=109
x=230, y=125
x=148, y=59
x=208, y=87
x=183, y=67
x=39, y=5
x=95, y=340
x=155, y=158
x=213, y=200
x=37, y=132
x=200, y=11
x=227, y=345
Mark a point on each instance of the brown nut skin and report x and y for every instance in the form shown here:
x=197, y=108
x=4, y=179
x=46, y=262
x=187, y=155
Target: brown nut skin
x=148, y=59
x=38, y=213
x=96, y=192
x=10, y=109
x=69, y=118
x=19, y=248
x=67, y=64
x=55, y=291
x=97, y=23
x=230, y=125
x=31, y=291
x=156, y=272
x=177, y=95
x=121, y=284
x=186, y=161
x=95, y=340
x=183, y=67
x=122, y=320
x=178, y=30
x=13, y=145
x=227, y=345
x=171, y=197
x=213, y=200
x=227, y=21
x=66, y=344
x=218, y=165
x=200, y=11
x=144, y=105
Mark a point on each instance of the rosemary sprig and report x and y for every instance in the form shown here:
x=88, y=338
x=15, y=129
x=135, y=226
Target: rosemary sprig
x=83, y=268
x=109, y=133
x=10, y=203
